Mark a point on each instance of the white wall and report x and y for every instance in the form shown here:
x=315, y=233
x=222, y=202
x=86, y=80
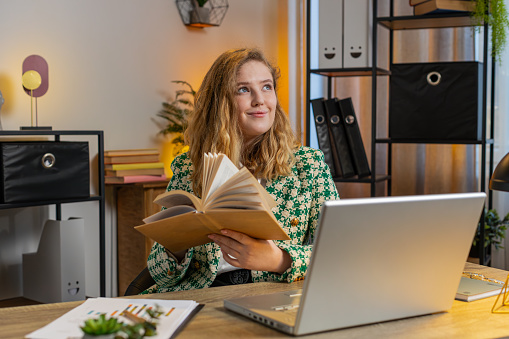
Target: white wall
x=111, y=64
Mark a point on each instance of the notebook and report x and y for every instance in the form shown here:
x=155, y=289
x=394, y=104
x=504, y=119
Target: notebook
x=375, y=260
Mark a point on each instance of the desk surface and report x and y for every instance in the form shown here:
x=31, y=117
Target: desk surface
x=463, y=320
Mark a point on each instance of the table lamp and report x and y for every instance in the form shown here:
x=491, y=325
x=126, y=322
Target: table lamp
x=500, y=182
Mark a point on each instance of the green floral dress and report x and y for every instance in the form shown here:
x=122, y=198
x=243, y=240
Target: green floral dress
x=299, y=197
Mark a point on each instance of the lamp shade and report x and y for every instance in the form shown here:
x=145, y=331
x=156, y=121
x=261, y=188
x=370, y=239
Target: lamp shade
x=500, y=178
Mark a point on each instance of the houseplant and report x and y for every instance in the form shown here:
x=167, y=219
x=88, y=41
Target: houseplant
x=494, y=232
x=175, y=114
x=494, y=13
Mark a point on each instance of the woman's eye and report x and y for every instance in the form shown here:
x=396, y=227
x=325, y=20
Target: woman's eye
x=267, y=87
x=242, y=90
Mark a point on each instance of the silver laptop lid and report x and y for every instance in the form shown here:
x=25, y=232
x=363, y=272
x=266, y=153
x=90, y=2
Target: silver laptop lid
x=378, y=259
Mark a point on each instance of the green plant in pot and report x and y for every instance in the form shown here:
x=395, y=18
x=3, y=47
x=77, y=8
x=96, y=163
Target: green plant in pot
x=494, y=13
x=175, y=114
x=494, y=232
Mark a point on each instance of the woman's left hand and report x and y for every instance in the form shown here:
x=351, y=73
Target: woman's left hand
x=240, y=250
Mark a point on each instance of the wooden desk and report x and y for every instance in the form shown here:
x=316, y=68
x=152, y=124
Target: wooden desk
x=463, y=320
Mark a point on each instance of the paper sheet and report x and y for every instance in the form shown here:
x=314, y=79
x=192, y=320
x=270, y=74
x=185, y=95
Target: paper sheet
x=68, y=325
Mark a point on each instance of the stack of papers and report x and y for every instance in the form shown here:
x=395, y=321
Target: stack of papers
x=174, y=314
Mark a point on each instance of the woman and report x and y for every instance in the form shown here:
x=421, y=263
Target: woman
x=237, y=113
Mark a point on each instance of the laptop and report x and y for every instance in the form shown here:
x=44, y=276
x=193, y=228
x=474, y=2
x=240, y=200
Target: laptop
x=375, y=260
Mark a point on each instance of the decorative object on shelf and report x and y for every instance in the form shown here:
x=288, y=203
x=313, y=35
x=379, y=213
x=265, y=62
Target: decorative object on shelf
x=500, y=178
x=35, y=83
x=495, y=14
x=175, y=112
x=202, y=13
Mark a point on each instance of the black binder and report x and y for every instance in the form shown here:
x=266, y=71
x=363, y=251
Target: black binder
x=353, y=134
x=339, y=143
x=322, y=133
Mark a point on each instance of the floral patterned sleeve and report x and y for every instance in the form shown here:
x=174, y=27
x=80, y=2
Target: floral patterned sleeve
x=300, y=197
x=162, y=265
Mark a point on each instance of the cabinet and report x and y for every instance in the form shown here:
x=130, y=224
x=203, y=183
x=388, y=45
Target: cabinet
x=21, y=135
x=393, y=23
x=134, y=203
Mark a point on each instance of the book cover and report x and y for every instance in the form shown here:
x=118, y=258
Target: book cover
x=416, y=2
x=231, y=198
x=473, y=289
x=131, y=152
x=322, y=133
x=354, y=138
x=139, y=165
x=127, y=172
x=129, y=179
x=340, y=150
x=444, y=5
x=131, y=159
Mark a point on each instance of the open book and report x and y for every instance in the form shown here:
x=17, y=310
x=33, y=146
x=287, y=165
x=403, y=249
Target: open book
x=231, y=199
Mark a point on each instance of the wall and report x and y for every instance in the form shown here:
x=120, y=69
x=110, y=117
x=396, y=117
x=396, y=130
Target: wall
x=111, y=64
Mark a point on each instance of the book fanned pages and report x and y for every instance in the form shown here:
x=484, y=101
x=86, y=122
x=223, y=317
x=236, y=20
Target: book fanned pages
x=341, y=152
x=474, y=289
x=437, y=6
x=231, y=199
x=354, y=138
x=322, y=133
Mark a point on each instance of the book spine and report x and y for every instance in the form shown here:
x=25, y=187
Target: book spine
x=341, y=151
x=354, y=138
x=140, y=165
x=322, y=133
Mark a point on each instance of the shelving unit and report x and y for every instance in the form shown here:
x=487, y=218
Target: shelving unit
x=58, y=203
x=394, y=23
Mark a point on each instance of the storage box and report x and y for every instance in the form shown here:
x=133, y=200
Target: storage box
x=436, y=101
x=40, y=171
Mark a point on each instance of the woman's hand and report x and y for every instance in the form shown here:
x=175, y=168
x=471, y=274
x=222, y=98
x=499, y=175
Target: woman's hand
x=240, y=250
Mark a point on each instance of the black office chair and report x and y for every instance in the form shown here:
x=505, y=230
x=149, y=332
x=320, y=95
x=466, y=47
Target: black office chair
x=143, y=281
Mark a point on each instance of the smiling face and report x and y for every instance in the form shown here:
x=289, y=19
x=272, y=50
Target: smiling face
x=255, y=99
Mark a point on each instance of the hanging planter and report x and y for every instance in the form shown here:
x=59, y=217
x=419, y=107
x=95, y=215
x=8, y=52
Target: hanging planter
x=202, y=13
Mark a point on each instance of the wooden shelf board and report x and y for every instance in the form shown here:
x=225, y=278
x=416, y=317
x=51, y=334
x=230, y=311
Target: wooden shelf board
x=459, y=19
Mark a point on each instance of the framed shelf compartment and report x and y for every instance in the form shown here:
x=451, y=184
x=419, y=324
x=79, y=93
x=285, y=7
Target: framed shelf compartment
x=410, y=22
x=99, y=197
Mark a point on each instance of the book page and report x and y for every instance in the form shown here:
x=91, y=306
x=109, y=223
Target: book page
x=222, y=169
x=169, y=212
x=240, y=184
x=174, y=313
x=178, y=197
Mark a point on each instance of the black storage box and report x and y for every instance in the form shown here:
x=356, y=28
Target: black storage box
x=40, y=171
x=436, y=101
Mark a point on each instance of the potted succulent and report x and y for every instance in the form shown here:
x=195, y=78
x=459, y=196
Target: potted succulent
x=494, y=232
x=101, y=328
x=494, y=13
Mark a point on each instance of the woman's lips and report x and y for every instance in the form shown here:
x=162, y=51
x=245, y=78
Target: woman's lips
x=257, y=114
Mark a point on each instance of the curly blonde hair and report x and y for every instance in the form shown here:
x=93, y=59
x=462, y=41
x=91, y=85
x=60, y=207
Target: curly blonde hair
x=213, y=125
